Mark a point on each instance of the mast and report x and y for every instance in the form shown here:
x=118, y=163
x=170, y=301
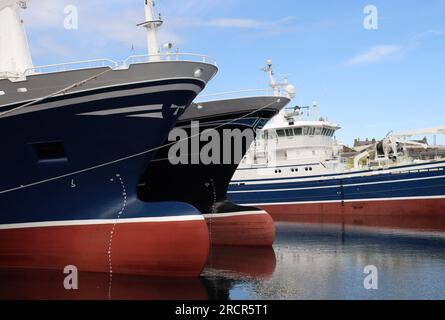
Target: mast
x=272, y=81
x=289, y=90
x=152, y=24
x=15, y=56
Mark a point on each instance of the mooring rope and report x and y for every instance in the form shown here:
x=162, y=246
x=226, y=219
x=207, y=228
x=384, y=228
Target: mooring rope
x=62, y=91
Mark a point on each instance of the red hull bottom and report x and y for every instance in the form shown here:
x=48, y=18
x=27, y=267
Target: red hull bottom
x=241, y=229
x=427, y=214
x=167, y=249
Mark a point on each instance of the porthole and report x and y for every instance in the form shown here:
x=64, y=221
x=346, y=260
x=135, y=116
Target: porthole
x=2, y=93
x=22, y=90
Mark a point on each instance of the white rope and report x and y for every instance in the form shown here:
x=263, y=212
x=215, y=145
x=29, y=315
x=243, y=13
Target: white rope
x=126, y=158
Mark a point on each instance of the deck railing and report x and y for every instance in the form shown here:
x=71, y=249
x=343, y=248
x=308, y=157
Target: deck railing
x=71, y=66
x=236, y=94
x=167, y=57
x=115, y=65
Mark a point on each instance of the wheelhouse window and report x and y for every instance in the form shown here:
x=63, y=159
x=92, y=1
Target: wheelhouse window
x=298, y=131
x=311, y=131
x=281, y=133
x=289, y=132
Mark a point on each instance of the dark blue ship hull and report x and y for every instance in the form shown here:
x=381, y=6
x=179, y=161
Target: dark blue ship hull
x=70, y=169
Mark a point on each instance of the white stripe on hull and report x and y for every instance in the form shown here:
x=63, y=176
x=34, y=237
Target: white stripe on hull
x=178, y=79
x=338, y=186
x=156, y=115
x=432, y=166
x=233, y=214
x=70, y=223
x=107, y=95
x=156, y=107
x=346, y=201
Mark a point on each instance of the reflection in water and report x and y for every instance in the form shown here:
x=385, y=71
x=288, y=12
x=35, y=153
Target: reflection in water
x=308, y=261
x=327, y=262
x=48, y=285
x=229, y=267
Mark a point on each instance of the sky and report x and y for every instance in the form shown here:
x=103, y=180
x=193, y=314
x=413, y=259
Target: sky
x=370, y=81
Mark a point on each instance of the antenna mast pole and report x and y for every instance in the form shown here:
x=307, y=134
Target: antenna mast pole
x=288, y=89
x=272, y=81
x=152, y=24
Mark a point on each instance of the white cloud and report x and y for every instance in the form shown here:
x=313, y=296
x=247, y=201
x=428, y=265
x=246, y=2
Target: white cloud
x=234, y=23
x=429, y=34
x=240, y=23
x=375, y=54
x=113, y=23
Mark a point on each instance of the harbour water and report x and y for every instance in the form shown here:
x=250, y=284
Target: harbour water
x=317, y=261
x=308, y=261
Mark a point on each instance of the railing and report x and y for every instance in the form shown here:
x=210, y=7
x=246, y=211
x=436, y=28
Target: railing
x=166, y=57
x=70, y=66
x=108, y=63
x=236, y=94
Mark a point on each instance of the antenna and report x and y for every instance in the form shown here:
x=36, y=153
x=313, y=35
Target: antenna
x=152, y=25
x=271, y=74
x=277, y=87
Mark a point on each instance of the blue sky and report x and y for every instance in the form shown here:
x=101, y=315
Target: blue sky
x=369, y=81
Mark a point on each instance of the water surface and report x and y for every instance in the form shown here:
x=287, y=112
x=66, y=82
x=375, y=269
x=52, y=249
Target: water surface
x=307, y=261
x=316, y=261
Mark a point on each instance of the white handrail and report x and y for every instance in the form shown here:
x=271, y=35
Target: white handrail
x=70, y=66
x=135, y=59
x=175, y=56
x=237, y=94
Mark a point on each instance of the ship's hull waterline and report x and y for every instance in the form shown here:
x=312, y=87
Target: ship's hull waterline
x=81, y=154
x=243, y=228
x=205, y=185
x=409, y=197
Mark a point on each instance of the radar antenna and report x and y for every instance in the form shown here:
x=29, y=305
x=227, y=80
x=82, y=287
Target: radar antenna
x=289, y=90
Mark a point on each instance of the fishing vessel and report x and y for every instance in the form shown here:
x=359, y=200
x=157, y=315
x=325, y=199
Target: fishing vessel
x=296, y=170
x=76, y=139
x=213, y=136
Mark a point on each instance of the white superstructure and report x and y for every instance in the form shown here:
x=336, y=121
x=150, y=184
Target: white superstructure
x=296, y=142
x=15, y=56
